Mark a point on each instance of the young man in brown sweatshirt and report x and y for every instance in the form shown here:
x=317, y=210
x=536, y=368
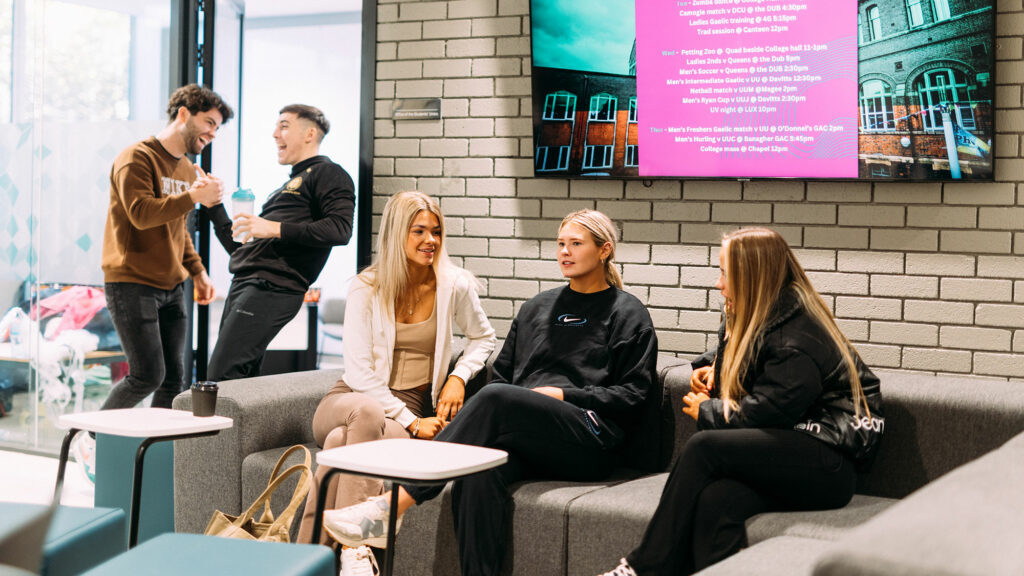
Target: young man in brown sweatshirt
x=147, y=251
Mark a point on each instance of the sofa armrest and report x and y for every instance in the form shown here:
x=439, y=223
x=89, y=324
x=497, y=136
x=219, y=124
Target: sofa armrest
x=966, y=522
x=268, y=412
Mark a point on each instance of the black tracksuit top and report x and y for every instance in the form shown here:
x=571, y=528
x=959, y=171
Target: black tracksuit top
x=314, y=207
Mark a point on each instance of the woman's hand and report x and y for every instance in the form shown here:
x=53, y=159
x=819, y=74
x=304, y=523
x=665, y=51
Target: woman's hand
x=452, y=396
x=692, y=403
x=426, y=428
x=702, y=380
x=553, y=391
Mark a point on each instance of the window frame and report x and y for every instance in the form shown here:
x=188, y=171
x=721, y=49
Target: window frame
x=590, y=151
x=551, y=104
x=600, y=113
x=874, y=22
x=561, y=162
x=915, y=6
x=877, y=105
x=961, y=110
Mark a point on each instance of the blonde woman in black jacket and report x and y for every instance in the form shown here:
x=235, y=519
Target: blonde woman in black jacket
x=785, y=408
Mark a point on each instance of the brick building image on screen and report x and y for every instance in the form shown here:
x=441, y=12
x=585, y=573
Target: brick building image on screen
x=585, y=122
x=922, y=62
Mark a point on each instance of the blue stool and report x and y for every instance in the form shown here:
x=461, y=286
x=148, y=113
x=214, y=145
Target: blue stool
x=78, y=538
x=198, y=555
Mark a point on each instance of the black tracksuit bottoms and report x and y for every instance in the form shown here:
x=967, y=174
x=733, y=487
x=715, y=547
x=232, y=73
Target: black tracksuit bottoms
x=724, y=477
x=544, y=438
x=254, y=312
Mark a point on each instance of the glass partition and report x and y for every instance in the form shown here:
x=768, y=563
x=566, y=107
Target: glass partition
x=79, y=81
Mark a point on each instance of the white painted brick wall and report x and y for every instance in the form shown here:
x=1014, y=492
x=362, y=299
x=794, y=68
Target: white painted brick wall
x=904, y=333
x=905, y=286
x=936, y=360
x=921, y=276
x=938, y=312
x=973, y=338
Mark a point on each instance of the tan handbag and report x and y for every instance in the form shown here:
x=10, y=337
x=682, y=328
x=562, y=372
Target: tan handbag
x=267, y=528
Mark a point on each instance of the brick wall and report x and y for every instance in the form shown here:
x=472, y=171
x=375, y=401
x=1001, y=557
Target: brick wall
x=922, y=276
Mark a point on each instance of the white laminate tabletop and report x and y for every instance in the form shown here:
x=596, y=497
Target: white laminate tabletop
x=412, y=459
x=144, y=422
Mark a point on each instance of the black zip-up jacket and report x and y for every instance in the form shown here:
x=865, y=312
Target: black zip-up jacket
x=797, y=379
x=314, y=207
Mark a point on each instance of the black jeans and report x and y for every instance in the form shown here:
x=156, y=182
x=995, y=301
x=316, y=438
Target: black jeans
x=544, y=438
x=724, y=477
x=151, y=324
x=254, y=312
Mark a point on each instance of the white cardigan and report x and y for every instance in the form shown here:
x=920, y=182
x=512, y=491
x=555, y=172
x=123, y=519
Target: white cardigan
x=368, y=340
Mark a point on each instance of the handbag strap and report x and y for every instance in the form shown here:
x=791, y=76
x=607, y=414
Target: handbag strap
x=268, y=515
x=264, y=499
x=284, y=457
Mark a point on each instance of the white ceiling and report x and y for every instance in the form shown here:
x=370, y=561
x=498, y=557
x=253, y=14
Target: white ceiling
x=267, y=8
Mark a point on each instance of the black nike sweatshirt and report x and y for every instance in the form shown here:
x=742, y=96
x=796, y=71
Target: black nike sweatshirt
x=599, y=348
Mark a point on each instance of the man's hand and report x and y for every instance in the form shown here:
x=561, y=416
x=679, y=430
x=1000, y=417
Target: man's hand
x=702, y=380
x=452, y=396
x=204, y=288
x=552, y=391
x=428, y=428
x=249, y=226
x=692, y=402
x=207, y=190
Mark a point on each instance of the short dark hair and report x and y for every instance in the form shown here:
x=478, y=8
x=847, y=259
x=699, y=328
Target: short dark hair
x=197, y=99
x=311, y=113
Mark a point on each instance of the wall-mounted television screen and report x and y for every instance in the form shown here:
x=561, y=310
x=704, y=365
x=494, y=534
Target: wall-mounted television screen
x=815, y=89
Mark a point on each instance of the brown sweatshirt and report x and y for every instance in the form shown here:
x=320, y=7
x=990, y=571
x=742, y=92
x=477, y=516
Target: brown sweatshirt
x=146, y=240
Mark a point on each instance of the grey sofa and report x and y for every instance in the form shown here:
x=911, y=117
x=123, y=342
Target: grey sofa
x=944, y=495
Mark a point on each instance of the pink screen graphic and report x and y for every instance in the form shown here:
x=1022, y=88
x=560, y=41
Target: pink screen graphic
x=747, y=88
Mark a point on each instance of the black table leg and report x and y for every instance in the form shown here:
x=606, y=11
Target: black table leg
x=62, y=463
x=389, y=555
x=140, y=456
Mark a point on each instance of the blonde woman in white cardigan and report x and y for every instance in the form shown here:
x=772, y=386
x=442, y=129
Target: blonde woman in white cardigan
x=397, y=343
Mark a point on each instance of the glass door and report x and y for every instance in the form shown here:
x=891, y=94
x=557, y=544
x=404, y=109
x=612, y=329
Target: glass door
x=79, y=81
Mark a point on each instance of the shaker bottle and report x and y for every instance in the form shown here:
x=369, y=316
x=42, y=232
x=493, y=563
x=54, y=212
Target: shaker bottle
x=242, y=201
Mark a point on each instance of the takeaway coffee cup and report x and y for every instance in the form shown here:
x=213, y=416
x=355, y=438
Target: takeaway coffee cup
x=204, y=398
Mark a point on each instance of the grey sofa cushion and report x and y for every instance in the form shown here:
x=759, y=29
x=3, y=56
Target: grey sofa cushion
x=820, y=524
x=968, y=522
x=605, y=525
x=782, y=556
x=936, y=423
x=426, y=544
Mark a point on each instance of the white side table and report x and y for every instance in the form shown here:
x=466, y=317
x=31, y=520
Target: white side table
x=151, y=425
x=402, y=461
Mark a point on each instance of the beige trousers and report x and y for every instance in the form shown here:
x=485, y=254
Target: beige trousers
x=345, y=417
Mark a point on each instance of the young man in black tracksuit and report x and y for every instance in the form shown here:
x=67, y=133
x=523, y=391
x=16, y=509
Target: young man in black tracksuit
x=570, y=390
x=284, y=248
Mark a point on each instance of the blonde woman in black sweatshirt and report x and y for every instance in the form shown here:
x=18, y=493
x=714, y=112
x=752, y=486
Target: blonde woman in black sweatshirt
x=570, y=388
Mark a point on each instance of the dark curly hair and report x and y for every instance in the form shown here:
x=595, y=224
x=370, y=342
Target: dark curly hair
x=197, y=99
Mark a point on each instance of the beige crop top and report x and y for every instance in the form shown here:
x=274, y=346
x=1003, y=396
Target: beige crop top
x=413, y=362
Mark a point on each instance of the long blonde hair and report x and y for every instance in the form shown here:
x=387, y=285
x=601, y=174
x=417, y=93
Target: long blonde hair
x=603, y=231
x=389, y=274
x=760, y=266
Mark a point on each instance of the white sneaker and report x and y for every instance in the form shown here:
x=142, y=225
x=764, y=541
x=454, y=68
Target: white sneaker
x=358, y=562
x=359, y=524
x=623, y=569
x=83, y=449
